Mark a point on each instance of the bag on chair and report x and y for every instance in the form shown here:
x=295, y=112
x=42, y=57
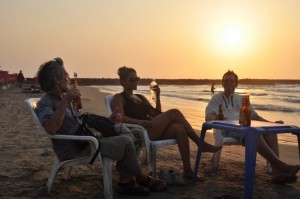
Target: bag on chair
x=100, y=123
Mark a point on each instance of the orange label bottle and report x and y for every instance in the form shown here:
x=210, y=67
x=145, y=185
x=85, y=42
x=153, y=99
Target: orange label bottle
x=76, y=99
x=245, y=112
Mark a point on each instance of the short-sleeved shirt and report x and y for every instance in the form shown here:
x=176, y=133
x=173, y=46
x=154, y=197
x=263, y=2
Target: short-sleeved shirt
x=64, y=149
x=231, y=110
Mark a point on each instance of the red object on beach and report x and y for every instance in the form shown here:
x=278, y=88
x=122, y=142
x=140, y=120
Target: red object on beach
x=4, y=77
x=13, y=78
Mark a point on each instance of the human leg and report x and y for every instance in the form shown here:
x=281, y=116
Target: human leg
x=177, y=131
x=164, y=120
x=278, y=166
x=272, y=141
x=121, y=148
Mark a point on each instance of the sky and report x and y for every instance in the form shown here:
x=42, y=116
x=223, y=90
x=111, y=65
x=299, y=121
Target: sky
x=170, y=39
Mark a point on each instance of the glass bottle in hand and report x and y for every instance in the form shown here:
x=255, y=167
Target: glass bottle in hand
x=76, y=99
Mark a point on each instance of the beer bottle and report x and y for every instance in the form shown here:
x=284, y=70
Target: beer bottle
x=220, y=114
x=241, y=118
x=76, y=99
x=245, y=112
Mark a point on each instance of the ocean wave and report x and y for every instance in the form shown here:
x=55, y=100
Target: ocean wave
x=283, y=90
x=291, y=100
x=259, y=94
x=275, y=108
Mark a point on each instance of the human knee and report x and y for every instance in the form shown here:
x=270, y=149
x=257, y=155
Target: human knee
x=125, y=141
x=175, y=114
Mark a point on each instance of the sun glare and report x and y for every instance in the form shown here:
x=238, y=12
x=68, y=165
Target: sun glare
x=232, y=36
x=230, y=39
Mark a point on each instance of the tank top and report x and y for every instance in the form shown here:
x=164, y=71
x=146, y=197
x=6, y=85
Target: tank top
x=134, y=108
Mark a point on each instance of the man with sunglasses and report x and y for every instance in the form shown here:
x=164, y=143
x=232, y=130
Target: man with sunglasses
x=267, y=144
x=58, y=117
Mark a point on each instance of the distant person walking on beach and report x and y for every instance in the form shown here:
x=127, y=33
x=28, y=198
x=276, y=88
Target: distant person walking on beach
x=59, y=117
x=212, y=88
x=267, y=144
x=136, y=109
x=20, y=79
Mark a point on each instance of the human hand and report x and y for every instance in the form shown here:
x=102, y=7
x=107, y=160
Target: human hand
x=211, y=116
x=71, y=93
x=116, y=115
x=156, y=89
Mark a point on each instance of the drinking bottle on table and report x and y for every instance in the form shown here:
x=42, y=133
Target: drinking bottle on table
x=245, y=111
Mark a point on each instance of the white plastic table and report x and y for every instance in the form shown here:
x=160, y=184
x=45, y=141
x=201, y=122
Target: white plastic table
x=251, y=138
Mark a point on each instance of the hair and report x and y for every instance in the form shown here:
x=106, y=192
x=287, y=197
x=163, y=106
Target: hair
x=230, y=72
x=124, y=72
x=49, y=72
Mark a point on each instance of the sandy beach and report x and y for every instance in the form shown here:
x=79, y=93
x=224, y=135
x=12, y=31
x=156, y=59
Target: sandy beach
x=27, y=156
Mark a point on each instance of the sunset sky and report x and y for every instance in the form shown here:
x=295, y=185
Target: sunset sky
x=199, y=39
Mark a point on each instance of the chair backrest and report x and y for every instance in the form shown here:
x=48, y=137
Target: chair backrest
x=31, y=104
x=108, y=99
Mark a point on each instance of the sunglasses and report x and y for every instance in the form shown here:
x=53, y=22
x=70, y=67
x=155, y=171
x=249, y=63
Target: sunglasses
x=229, y=81
x=134, y=79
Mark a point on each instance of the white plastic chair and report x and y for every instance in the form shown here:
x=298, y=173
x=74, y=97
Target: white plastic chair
x=151, y=146
x=106, y=163
x=221, y=141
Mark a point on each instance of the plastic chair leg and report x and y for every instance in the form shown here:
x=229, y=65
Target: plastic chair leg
x=52, y=175
x=107, y=178
x=218, y=142
x=151, y=160
x=154, y=163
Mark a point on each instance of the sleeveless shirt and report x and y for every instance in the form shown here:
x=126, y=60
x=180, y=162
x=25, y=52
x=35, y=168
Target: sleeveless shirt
x=135, y=109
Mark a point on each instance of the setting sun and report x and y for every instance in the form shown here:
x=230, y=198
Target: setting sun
x=233, y=37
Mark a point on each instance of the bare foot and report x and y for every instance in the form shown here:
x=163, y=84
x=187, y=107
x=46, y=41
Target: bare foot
x=289, y=169
x=198, y=178
x=210, y=148
x=281, y=178
x=293, y=169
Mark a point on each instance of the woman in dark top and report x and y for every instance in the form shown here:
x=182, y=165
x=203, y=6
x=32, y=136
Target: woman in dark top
x=136, y=109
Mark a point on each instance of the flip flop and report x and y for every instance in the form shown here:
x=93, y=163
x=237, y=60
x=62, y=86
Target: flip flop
x=132, y=188
x=153, y=184
x=165, y=176
x=176, y=178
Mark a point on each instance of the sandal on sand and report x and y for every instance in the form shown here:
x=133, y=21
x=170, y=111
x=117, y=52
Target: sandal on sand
x=132, y=188
x=176, y=178
x=153, y=184
x=225, y=197
x=284, y=178
x=165, y=176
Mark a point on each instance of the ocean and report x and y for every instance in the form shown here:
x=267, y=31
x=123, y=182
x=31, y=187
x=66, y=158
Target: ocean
x=273, y=102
